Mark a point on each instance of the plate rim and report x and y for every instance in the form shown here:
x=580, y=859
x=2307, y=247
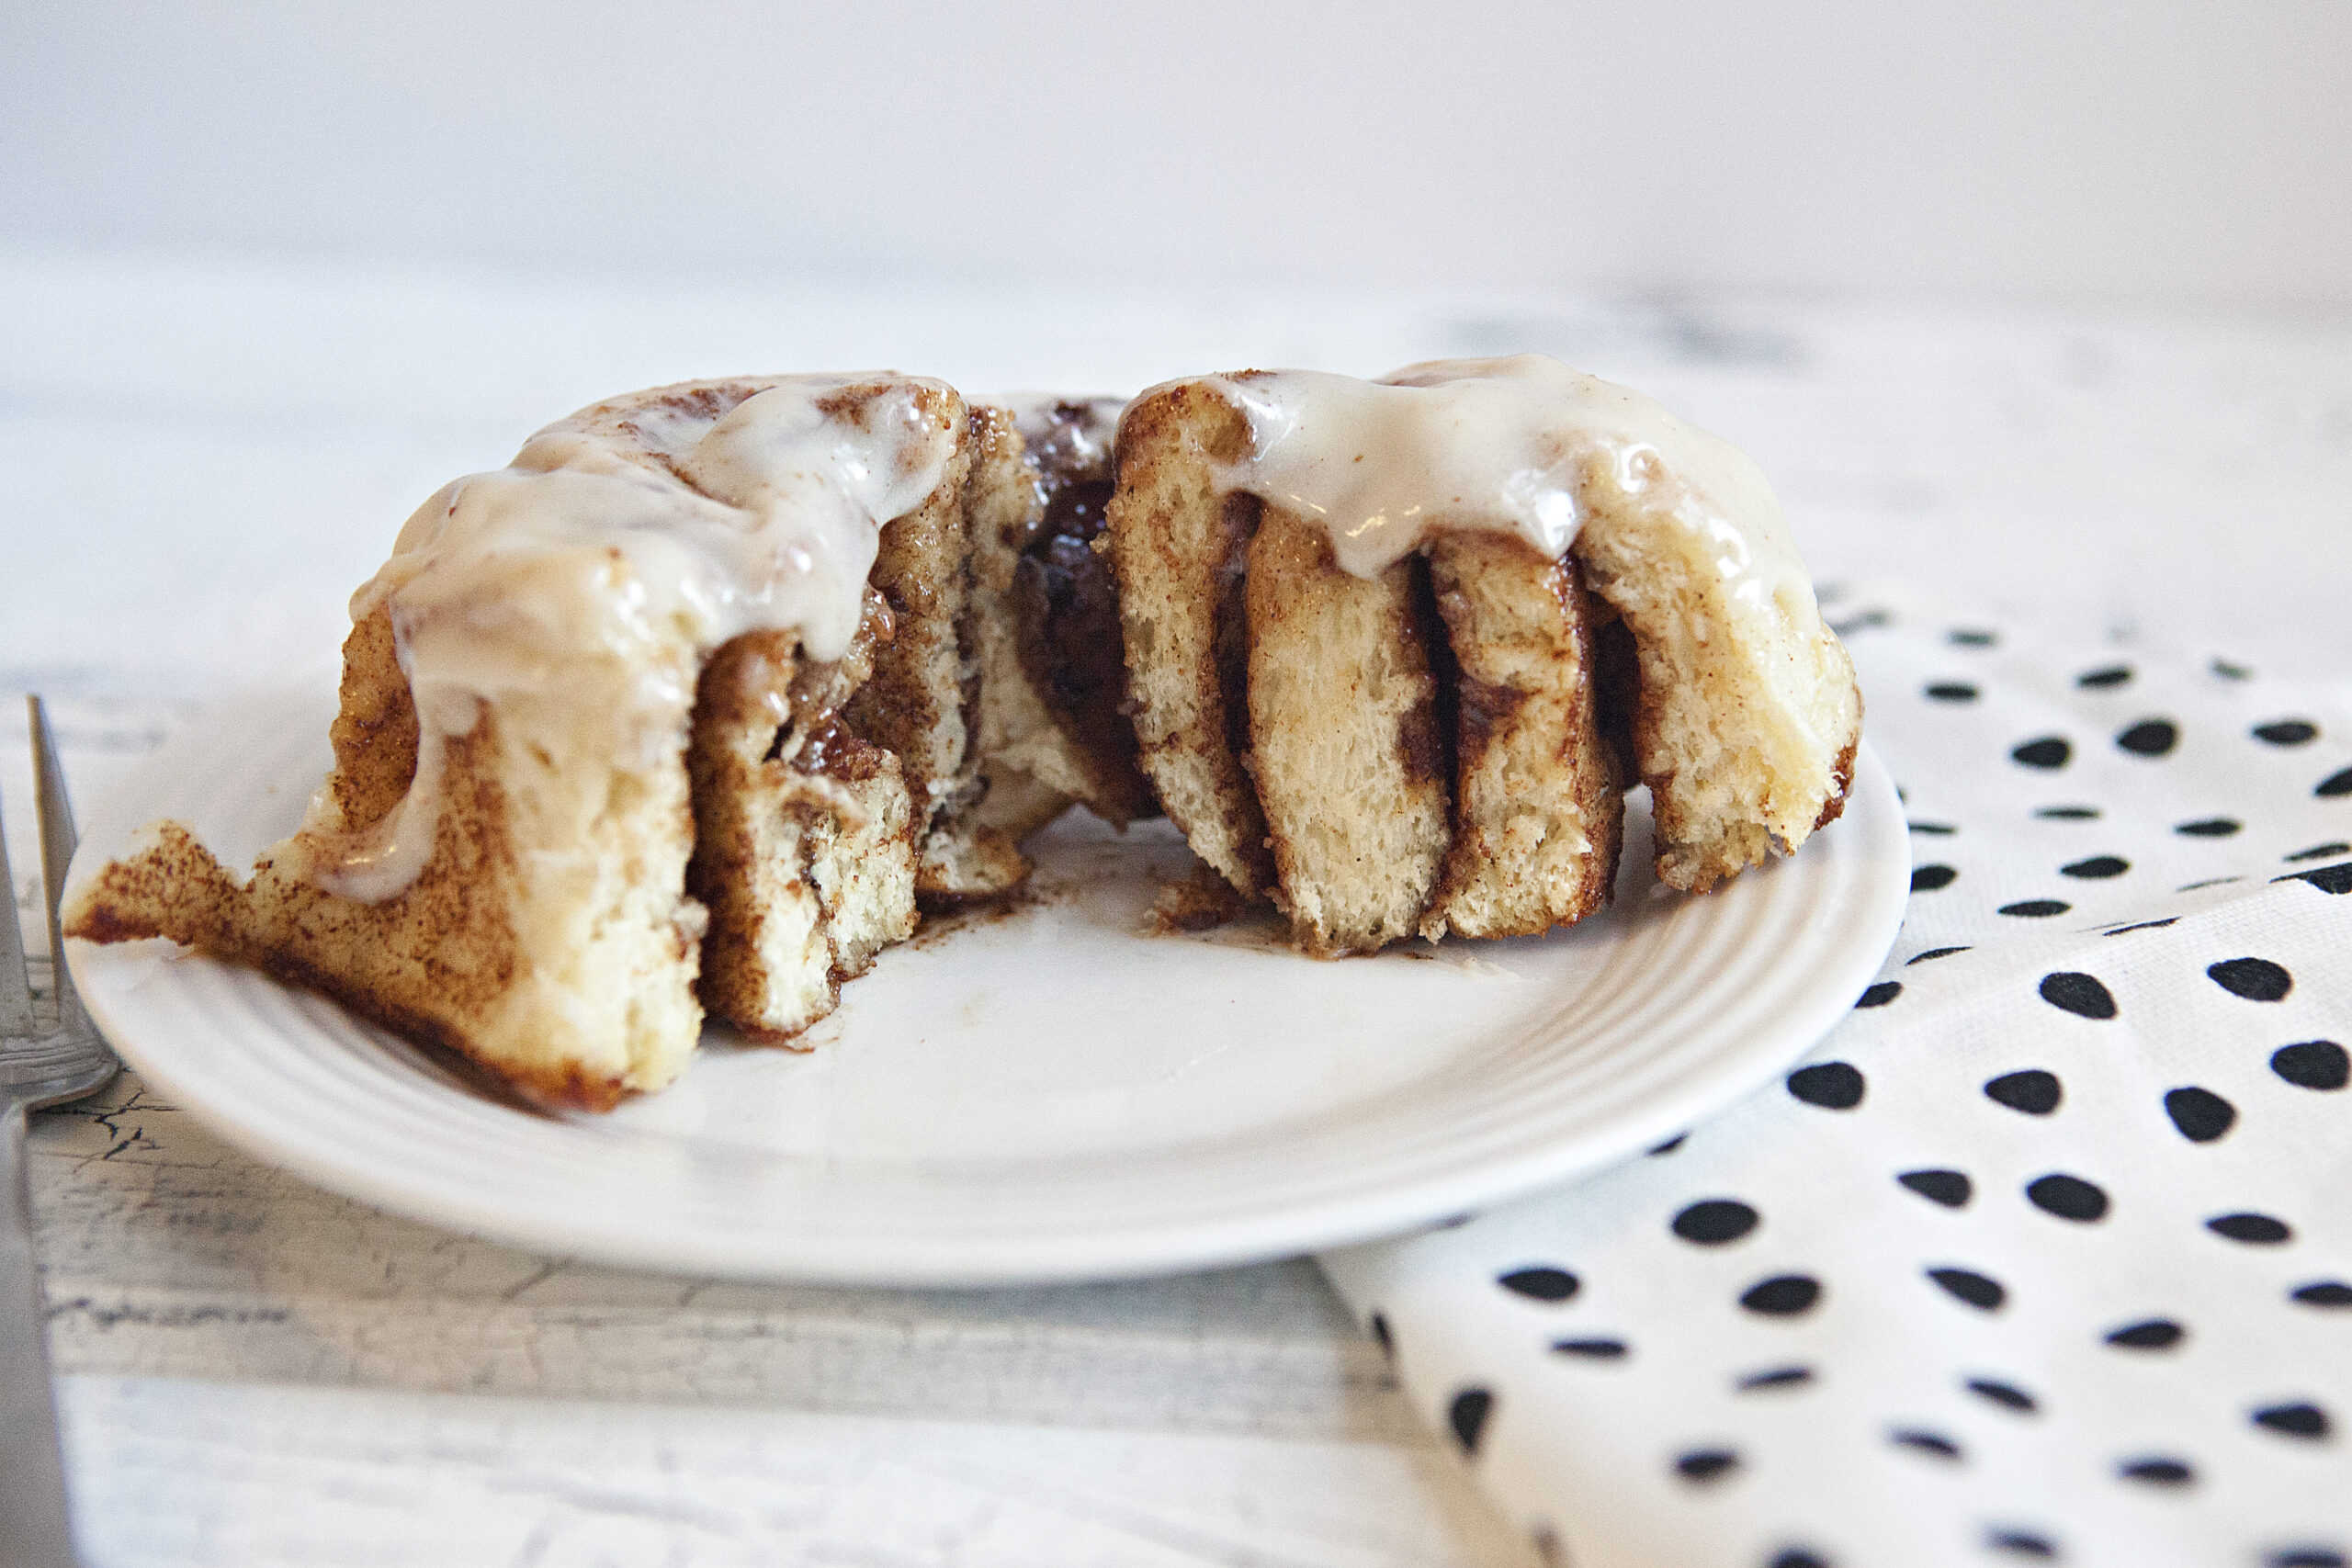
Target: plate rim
x=1349, y=1218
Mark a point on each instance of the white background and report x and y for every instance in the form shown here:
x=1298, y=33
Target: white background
x=2171, y=152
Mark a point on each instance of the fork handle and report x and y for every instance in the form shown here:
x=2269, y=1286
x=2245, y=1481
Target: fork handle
x=33, y=1527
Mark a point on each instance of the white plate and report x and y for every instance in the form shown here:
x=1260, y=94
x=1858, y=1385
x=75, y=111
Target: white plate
x=1045, y=1094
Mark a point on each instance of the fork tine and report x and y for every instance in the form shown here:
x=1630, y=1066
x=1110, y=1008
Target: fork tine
x=16, y=987
x=57, y=840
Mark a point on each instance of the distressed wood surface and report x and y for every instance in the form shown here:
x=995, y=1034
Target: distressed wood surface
x=208, y=458
x=185, y=1475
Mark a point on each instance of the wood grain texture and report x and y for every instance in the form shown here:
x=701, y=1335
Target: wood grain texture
x=202, y=1475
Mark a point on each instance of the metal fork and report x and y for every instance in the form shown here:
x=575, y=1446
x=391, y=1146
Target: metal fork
x=37, y=1068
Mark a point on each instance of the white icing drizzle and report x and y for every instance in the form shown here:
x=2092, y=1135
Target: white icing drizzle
x=1520, y=444
x=647, y=531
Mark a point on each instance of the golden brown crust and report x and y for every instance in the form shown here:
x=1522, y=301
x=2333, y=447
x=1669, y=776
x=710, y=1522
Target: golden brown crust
x=525, y=894
x=375, y=727
x=171, y=888
x=564, y=1085
x=1178, y=547
x=913, y=703
x=1539, y=807
x=1841, y=774
x=434, y=963
x=176, y=890
x=1739, y=713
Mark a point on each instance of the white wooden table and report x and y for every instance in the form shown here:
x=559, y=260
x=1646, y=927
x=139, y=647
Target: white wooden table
x=204, y=459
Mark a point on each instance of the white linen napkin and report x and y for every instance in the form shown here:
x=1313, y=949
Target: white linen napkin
x=2045, y=1253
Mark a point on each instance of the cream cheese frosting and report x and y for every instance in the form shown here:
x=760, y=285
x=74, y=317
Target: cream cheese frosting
x=1522, y=444
x=645, y=531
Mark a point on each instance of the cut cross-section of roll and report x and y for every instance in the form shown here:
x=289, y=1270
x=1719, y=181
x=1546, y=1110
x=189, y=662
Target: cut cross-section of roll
x=1180, y=535
x=804, y=834
x=1348, y=749
x=1550, y=505
x=499, y=860
x=1052, y=726
x=1539, y=807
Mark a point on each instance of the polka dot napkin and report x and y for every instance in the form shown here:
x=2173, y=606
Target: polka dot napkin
x=2045, y=1253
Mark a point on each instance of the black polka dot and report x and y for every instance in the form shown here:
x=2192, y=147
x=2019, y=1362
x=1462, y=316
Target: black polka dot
x=2287, y=731
x=1952, y=692
x=2321, y=851
x=2046, y=751
x=2230, y=671
x=2033, y=1091
x=2335, y=880
x=2020, y=1543
x=1701, y=1466
x=2256, y=980
x=1712, y=1222
x=2007, y=1396
x=2328, y=1294
x=2036, y=908
x=1928, y=878
x=1933, y=953
x=2313, y=1064
x=2150, y=738
x=2209, y=828
x=1933, y=830
x=1671, y=1145
x=2068, y=1197
x=2155, y=1471
x=1797, y=1557
x=2068, y=813
x=2079, y=994
x=2150, y=1334
x=2306, y=1557
x=2199, y=1113
x=1919, y=1440
x=2298, y=1419
x=1878, y=996
x=1601, y=1349
x=2335, y=784
x=1971, y=637
x=2097, y=868
x=1949, y=1187
x=1380, y=1333
x=1976, y=1290
x=2208, y=882
x=1776, y=1377
x=1782, y=1295
x=1832, y=1085
x=1541, y=1283
x=2099, y=680
x=2255, y=1230
x=2143, y=926
x=1467, y=1414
